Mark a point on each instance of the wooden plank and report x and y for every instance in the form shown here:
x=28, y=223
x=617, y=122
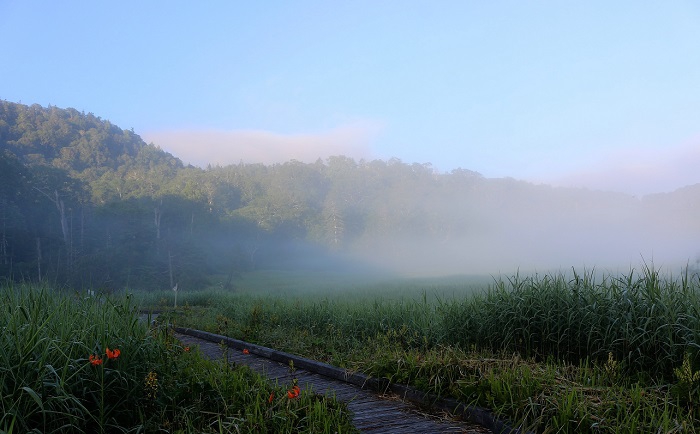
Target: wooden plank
x=371, y=413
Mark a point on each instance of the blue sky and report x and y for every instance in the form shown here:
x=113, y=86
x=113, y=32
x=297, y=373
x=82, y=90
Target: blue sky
x=596, y=94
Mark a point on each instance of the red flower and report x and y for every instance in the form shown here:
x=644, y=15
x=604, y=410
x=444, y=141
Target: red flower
x=95, y=360
x=245, y=351
x=187, y=349
x=271, y=398
x=291, y=394
x=113, y=354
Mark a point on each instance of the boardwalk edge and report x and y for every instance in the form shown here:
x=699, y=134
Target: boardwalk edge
x=478, y=415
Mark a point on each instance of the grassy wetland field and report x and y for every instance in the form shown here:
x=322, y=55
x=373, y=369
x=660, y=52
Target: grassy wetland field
x=566, y=353
x=71, y=363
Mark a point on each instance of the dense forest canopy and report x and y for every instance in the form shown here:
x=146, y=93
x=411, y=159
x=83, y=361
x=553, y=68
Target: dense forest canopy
x=85, y=203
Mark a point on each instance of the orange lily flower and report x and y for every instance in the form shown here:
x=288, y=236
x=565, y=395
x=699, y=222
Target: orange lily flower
x=291, y=394
x=95, y=360
x=271, y=398
x=113, y=354
x=245, y=351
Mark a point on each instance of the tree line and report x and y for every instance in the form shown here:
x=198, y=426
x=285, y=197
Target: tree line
x=87, y=204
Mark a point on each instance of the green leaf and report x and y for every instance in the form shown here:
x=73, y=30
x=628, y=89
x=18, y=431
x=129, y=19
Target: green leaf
x=34, y=396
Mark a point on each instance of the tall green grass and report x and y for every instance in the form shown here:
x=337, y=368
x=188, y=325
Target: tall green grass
x=647, y=321
x=46, y=379
x=56, y=376
x=558, y=353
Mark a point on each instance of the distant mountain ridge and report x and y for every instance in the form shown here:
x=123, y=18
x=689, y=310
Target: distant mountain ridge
x=67, y=139
x=75, y=141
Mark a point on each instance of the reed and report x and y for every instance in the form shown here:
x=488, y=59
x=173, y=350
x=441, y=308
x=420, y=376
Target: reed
x=73, y=363
x=647, y=321
x=578, y=352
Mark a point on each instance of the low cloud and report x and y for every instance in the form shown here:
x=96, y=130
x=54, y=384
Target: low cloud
x=637, y=171
x=220, y=147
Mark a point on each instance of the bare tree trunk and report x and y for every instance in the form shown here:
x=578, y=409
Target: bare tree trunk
x=3, y=242
x=38, y=256
x=233, y=271
x=170, y=268
x=82, y=228
x=3, y=247
x=158, y=215
x=61, y=207
x=70, y=252
x=252, y=249
x=64, y=221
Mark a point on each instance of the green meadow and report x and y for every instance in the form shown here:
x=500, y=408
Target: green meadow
x=71, y=363
x=577, y=352
x=553, y=353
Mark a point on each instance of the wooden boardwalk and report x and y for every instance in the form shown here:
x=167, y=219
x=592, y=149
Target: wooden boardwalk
x=372, y=412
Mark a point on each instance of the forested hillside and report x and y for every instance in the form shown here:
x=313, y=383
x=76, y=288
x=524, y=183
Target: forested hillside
x=85, y=203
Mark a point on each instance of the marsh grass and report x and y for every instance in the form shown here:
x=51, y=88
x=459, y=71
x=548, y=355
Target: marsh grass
x=648, y=322
x=582, y=352
x=58, y=375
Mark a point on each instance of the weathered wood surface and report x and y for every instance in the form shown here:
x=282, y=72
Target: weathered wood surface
x=372, y=412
